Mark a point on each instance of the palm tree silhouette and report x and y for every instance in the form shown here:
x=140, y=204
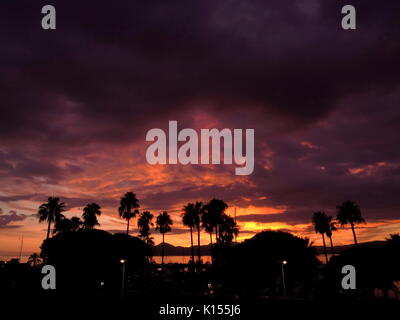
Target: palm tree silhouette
x=67, y=225
x=320, y=222
x=189, y=220
x=34, y=260
x=227, y=229
x=128, y=209
x=198, y=212
x=51, y=211
x=213, y=216
x=331, y=226
x=89, y=216
x=76, y=223
x=349, y=213
x=163, y=224
x=144, y=223
x=208, y=224
x=217, y=208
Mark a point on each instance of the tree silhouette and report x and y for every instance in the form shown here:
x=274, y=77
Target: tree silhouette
x=89, y=216
x=227, y=229
x=144, y=223
x=67, y=225
x=51, y=211
x=213, y=216
x=34, y=260
x=394, y=238
x=128, y=208
x=207, y=223
x=189, y=220
x=349, y=213
x=85, y=258
x=320, y=222
x=242, y=272
x=331, y=226
x=198, y=212
x=163, y=224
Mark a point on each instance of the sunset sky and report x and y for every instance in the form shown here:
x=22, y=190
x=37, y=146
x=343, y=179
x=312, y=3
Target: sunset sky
x=77, y=102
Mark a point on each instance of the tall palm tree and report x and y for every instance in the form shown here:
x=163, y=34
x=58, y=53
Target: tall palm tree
x=51, y=211
x=215, y=210
x=349, y=213
x=128, y=209
x=319, y=221
x=163, y=225
x=188, y=219
x=331, y=226
x=34, y=260
x=144, y=223
x=67, y=225
x=89, y=216
x=198, y=212
x=227, y=229
x=208, y=224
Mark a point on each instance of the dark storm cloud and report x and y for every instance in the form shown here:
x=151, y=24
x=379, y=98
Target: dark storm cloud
x=111, y=71
x=111, y=67
x=354, y=155
x=17, y=198
x=20, y=165
x=6, y=219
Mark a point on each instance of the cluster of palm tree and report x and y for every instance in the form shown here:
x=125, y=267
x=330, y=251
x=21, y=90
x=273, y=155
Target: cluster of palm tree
x=210, y=217
x=197, y=216
x=129, y=208
x=347, y=213
x=52, y=210
x=213, y=219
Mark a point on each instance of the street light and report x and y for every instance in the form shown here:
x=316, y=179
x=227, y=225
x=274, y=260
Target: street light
x=123, y=263
x=284, y=262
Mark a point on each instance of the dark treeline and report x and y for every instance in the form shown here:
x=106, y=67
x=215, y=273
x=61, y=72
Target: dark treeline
x=210, y=217
x=271, y=265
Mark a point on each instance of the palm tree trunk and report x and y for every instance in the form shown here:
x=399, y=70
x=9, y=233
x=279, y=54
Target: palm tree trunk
x=216, y=236
x=354, y=234
x=162, y=254
x=326, y=254
x=198, y=242
x=333, y=253
x=191, y=242
x=48, y=229
x=211, y=248
x=127, y=227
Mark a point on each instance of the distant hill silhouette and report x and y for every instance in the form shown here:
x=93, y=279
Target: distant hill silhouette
x=340, y=249
x=171, y=250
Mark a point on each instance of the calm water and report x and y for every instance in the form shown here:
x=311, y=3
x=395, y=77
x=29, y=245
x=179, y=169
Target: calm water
x=157, y=259
x=185, y=259
x=180, y=259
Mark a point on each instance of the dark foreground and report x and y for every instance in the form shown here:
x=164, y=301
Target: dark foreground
x=77, y=306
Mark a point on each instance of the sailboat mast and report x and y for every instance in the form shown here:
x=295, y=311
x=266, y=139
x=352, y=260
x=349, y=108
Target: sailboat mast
x=20, y=249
